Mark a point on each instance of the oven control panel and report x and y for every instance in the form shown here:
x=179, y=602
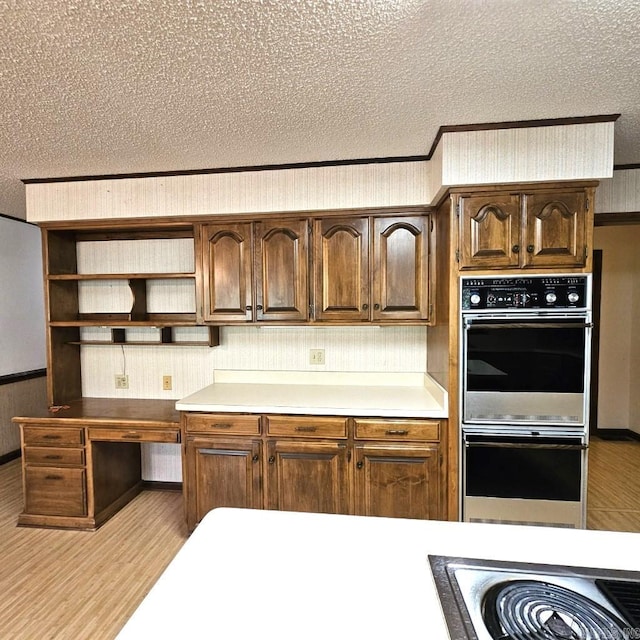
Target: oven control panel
x=532, y=292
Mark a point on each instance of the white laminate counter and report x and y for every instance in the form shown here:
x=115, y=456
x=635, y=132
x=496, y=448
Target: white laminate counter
x=378, y=395
x=292, y=576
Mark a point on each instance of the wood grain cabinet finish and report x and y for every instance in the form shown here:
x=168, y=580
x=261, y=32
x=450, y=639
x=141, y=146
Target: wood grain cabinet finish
x=307, y=476
x=372, y=269
x=400, y=281
x=256, y=271
x=221, y=472
x=322, y=464
x=397, y=480
x=525, y=229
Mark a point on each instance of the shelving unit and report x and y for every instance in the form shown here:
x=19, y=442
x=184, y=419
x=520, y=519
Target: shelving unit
x=96, y=276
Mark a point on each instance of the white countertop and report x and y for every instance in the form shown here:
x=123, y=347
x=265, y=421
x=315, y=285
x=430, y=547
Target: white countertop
x=361, y=394
x=292, y=576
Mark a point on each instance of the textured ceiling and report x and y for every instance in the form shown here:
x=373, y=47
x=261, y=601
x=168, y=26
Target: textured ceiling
x=114, y=86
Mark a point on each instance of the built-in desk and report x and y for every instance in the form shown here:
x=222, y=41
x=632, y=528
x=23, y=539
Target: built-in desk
x=81, y=462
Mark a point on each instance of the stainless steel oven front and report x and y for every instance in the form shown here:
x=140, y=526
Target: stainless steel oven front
x=525, y=363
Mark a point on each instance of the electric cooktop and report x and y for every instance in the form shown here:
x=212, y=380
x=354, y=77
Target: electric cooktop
x=496, y=600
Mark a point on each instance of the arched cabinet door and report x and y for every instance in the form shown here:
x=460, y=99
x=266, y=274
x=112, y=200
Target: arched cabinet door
x=227, y=272
x=341, y=269
x=282, y=270
x=401, y=277
x=489, y=231
x=555, y=229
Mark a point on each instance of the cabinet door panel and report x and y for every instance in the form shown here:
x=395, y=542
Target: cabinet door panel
x=341, y=263
x=281, y=270
x=227, y=272
x=222, y=473
x=308, y=476
x=555, y=229
x=490, y=231
x=397, y=481
x=401, y=271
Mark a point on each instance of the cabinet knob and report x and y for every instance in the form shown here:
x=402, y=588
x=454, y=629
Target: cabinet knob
x=259, y=307
x=360, y=464
x=272, y=459
x=365, y=306
x=529, y=248
x=248, y=307
x=376, y=306
x=515, y=248
x=256, y=457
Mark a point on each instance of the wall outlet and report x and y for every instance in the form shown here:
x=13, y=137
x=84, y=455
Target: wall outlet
x=166, y=383
x=122, y=381
x=316, y=356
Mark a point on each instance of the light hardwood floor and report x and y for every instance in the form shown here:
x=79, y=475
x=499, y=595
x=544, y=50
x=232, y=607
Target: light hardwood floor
x=70, y=585
x=77, y=585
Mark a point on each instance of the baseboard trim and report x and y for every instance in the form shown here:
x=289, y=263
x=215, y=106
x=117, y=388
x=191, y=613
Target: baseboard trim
x=153, y=485
x=617, y=434
x=8, y=457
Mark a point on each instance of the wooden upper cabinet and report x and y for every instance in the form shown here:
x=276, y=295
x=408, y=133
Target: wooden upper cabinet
x=489, y=231
x=400, y=282
x=282, y=270
x=341, y=269
x=536, y=228
x=555, y=229
x=227, y=272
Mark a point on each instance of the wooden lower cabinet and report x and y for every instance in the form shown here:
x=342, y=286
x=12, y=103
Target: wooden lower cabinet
x=55, y=491
x=307, y=476
x=397, y=480
x=376, y=467
x=221, y=473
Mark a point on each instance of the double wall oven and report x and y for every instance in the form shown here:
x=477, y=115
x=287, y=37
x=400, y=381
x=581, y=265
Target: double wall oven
x=525, y=361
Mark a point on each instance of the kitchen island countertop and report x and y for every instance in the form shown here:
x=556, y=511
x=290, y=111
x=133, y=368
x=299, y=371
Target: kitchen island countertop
x=343, y=394
x=274, y=574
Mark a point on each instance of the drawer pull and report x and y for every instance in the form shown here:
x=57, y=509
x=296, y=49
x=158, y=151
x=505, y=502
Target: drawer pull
x=222, y=425
x=397, y=432
x=133, y=435
x=256, y=457
x=306, y=429
x=53, y=478
x=51, y=436
x=52, y=457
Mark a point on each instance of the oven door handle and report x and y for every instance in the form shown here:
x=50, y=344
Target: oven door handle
x=525, y=445
x=469, y=324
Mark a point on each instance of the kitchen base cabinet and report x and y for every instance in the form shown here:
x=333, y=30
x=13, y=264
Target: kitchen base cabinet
x=307, y=476
x=397, y=480
x=221, y=473
x=321, y=464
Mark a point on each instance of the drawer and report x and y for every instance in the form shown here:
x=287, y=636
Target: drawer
x=307, y=426
x=53, y=436
x=134, y=435
x=52, y=456
x=366, y=429
x=55, y=492
x=226, y=424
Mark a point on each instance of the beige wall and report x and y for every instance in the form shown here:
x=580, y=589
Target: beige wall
x=619, y=369
x=12, y=198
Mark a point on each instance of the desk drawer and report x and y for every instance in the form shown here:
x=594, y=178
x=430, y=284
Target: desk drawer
x=134, y=435
x=306, y=426
x=224, y=424
x=53, y=436
x=424, y=430
x=52, y=456
x=55, y=492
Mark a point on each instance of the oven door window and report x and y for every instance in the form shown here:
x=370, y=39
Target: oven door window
x=528, y=356
x=535, y=469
